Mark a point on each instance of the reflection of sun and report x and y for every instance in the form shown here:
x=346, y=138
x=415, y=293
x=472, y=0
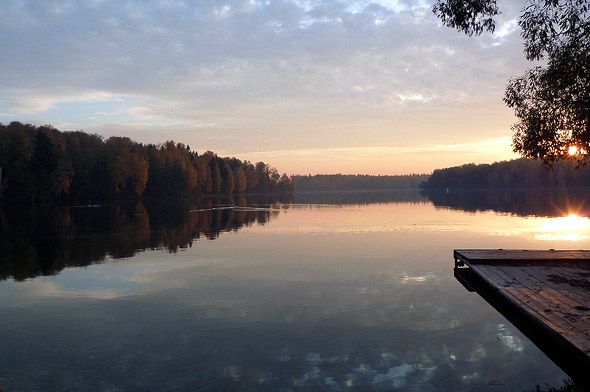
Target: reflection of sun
x=568, y=228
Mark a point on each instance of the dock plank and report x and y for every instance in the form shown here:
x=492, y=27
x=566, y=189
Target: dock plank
x=526, y=299
x=553, y=283
x=552, y=310
x=546, y=293
x=490, y=255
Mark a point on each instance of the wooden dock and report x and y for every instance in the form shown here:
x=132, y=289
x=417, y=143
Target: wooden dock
x=545, y=294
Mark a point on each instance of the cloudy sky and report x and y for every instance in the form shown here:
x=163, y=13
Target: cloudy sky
x=309, y=86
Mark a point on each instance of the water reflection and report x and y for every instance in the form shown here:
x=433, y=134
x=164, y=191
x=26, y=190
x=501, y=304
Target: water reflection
x=43, y=240
x=538, y=202
x=361, y=197
x=571, y=228
x=287, y=297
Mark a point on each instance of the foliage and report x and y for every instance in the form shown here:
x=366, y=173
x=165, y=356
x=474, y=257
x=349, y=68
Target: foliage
x=471, y=17
x=551, y=102
x=341, y=182
x=42, y=163
x=519, y=173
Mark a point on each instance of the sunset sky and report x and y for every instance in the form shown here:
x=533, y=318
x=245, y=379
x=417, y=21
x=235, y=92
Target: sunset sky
x=308, y=86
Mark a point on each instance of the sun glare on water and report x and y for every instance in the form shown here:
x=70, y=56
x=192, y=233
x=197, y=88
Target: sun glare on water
x=567, y=228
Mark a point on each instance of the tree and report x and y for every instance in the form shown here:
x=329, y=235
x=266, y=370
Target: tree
x=551, y=102
x=227, y=177
x=51, y=165
x=240, y=181
x=285, y=183
x=42, y=163
x=216, y=179
x=251, y=179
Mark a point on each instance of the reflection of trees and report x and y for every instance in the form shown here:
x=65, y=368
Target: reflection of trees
x=42, y=240
x=538, y=202
x=360, y=197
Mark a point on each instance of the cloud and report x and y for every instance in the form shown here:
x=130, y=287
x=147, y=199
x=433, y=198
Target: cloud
x=257, y=71
x=456, y=148
x=30, y=101
x=414, y=98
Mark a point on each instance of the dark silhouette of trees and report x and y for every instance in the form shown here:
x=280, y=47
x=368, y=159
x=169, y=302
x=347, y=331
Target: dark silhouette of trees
x=470, y=17
x=227, y=175
x=515, y=174
x=347, y=182
x=42, y=163
x=51, y=165
x=251, y=179
x=551, y=102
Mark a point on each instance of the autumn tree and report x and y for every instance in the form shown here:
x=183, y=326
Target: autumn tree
x=127, y=167
x=227, y=175
x=204, y=174
x=42, y=163
x=215, y=175
x=240, y=180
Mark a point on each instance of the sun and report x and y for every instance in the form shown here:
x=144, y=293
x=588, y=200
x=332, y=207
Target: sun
x=572, y=150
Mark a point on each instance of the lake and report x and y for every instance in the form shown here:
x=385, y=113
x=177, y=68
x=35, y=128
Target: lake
x=323, y=292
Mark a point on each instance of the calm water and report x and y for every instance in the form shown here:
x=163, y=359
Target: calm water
x=322, y=294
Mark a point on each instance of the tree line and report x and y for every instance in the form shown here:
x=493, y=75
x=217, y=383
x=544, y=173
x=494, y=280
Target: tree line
x=40, y=163
x=351, y=182
x=518, y=173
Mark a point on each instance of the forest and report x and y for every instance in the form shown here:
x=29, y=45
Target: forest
x=40, y=163
x=349, y=182
x=514, y=174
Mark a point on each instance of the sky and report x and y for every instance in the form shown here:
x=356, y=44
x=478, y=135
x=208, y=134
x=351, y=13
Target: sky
x=308, y=86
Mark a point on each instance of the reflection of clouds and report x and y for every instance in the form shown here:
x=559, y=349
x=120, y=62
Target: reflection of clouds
x=109, y=280
x=511, y=342
x=35, y=289
x=417, y=279
x=508, y=340
x=364, y=375
x=382, y=371
x=154, y=273
x=319, y=318
x=477, y=352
